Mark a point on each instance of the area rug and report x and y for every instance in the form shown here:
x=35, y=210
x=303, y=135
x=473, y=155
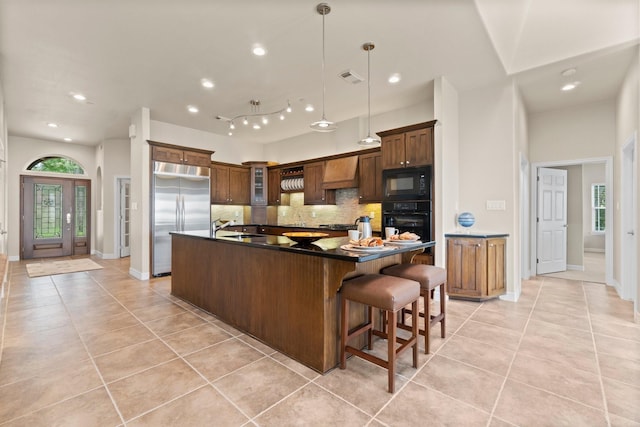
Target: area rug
x=61, y=267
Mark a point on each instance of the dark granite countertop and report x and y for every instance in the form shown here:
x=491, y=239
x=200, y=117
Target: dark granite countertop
x=329, y=247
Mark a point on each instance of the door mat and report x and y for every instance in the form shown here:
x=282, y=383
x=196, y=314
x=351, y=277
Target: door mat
x=61, y=267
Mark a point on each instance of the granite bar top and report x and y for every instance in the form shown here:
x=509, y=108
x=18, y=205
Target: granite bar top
x=331, y=247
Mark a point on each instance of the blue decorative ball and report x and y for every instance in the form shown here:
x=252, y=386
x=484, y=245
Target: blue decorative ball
x=466, y=219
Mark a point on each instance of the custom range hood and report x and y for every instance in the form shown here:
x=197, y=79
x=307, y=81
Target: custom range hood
x=340, y=173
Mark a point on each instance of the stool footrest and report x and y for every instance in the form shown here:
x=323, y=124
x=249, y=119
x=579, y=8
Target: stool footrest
x=366, y=356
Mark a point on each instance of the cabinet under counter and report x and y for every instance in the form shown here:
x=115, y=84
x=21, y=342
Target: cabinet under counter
x=284, y=296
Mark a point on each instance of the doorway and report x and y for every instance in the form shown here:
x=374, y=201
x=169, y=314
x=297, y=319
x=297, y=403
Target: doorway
x=55, y=217
x=123, y=214
x=608, y=234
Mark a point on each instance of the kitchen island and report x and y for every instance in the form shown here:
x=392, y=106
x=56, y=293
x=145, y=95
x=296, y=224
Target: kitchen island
x=275, y=290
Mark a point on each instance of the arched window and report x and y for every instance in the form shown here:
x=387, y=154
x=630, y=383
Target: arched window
x=56, y=164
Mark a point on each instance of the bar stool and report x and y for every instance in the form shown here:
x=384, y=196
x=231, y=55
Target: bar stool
x=386, y=293
x=429, y=277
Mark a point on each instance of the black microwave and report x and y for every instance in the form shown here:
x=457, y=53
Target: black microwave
x=407, y=184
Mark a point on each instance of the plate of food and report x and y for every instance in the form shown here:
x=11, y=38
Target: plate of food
x=406, y=238
x=368, y=244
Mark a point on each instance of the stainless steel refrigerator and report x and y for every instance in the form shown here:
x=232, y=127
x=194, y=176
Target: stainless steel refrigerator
x=180, y=196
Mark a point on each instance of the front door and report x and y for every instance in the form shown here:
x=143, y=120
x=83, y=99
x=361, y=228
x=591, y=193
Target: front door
x=552, y=220
x=54, y=217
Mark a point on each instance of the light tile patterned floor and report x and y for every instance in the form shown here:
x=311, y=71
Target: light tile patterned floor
x=99, y=348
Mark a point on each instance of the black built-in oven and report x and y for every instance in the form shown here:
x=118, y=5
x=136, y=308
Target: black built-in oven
x=412, y=216
x=406, y=184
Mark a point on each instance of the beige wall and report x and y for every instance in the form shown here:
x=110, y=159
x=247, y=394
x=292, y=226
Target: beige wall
x=446, y=160
x=3, y=176
x=23, y=151
x=627, y=123
x=226, y=149
x=583, y=132
x=346, y=137
x=486, y=166
x=116, y=164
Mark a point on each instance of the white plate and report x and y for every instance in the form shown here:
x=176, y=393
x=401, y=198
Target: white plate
x=402, y=242
x=287, y=185
x=283, y=184
x=350, y=247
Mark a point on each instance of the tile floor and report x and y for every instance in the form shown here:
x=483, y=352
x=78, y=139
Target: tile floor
x=100, y=348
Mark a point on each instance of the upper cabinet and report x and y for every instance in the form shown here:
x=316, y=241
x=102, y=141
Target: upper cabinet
x=408, y=146
x=230, y=184
x=174, y=154
x=370, y=178
x=258, y=183
x=314, y=194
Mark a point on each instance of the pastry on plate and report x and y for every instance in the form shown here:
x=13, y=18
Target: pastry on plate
x=405, y=236
x=368, y=242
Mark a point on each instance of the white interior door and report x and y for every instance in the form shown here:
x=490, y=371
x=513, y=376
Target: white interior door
x=125, y=192
x=552, y=221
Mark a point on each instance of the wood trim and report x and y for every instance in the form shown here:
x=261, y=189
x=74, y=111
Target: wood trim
x=179, y=147
x=324, y=159
x=409, y=128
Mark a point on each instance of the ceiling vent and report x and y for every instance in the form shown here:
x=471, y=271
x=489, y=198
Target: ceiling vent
x=351, y=77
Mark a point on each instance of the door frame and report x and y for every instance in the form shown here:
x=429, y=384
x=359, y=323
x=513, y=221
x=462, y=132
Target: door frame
x=629, y=212
x=608, y=162
x=117, y=249
x=64, y=177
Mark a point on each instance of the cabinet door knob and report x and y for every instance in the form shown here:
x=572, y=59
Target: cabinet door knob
x=402, y=163
x=407, y=161
x=478, y=245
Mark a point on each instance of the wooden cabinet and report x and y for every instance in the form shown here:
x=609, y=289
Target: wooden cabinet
x=164, y=153
x=230, y=184
x=370, y=178
x=476, y=266
x=274, y=193
x=314, y=194
x=258, y=183
x=408, y=146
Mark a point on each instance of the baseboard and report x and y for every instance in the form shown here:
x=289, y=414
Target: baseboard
x=138, y=275
x=510, y=296
x=575, y=267
x=106, y=256
x=14, y=258
x=596, y=250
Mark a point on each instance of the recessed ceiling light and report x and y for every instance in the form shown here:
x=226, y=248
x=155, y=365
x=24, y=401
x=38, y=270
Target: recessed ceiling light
x=192, y=109
x=394, y=78
x=309, y=108
x=79, y=97
x=259, y=50
x=256, y=126
x=52, y=125
x=570, y=86
x=568, y=72
x=67, y=139
x=206, y=83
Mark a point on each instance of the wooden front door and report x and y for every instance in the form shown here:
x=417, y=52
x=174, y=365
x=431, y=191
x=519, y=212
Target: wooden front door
x=55, y=217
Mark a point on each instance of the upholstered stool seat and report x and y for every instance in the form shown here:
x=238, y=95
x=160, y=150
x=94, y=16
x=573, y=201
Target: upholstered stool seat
x=386, y=293
x=429, y=277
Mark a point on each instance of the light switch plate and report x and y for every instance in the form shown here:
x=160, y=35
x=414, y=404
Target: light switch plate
x=496, y=205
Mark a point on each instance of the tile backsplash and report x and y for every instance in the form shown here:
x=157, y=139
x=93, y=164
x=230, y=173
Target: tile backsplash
x=345, y=211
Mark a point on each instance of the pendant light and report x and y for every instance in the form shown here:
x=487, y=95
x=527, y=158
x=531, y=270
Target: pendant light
x=323, y=125
x=369, y=141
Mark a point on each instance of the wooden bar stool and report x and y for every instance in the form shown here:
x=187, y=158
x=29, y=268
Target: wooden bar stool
x=386, y=293
x=429, y=277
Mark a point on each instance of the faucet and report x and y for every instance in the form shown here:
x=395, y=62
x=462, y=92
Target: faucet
x=215, y=227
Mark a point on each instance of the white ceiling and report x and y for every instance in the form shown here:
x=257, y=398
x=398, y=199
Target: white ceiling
x=128, y=54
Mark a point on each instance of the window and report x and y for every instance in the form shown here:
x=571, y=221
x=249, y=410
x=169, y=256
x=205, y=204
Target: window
x=598, y=205
x=56, y=164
